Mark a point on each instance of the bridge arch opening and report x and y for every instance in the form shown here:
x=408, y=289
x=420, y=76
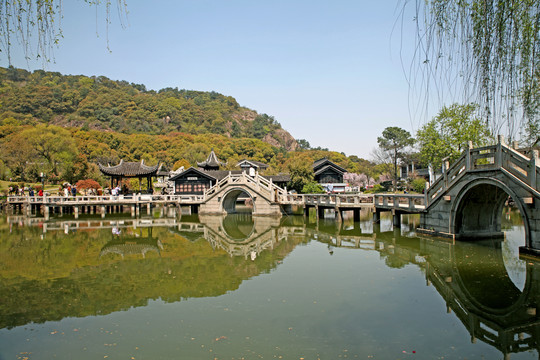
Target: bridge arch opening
x=482, y=207
x=479, y=212
x=238, y=201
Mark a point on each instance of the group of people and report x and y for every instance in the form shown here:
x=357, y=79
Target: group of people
x=22, y=191
x=68, y=190
x=116, y=191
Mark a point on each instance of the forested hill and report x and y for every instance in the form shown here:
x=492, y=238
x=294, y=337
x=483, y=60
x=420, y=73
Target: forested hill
x=98, y=103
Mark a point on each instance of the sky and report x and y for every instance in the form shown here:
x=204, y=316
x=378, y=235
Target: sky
x=330, y=72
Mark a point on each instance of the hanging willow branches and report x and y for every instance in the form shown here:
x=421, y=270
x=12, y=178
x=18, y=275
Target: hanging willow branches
x=35, y=25
x=483, y=51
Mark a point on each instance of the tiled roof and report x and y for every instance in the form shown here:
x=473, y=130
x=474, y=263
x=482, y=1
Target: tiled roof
x=325, y=162
x=330, y=166
x=279, y=178
x=129, y=169
x=257, y=164
x=211, y=161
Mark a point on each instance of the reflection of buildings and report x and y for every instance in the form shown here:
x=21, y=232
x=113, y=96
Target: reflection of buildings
x=106, y=284
x=131, y=244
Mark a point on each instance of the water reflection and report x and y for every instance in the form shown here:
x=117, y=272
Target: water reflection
x=472, y=278
x=474, y=282
x=53, y=270
x=131, y=243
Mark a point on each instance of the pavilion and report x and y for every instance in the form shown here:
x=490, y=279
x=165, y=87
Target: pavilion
x=129, y=170
x=212, y=163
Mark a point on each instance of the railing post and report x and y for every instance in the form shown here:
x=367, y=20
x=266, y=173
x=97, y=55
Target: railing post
x=499, y=155
x=535, y=162
x=468, y=163
x=445, y=166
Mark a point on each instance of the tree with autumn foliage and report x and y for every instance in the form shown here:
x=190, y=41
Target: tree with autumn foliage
x=85, y=185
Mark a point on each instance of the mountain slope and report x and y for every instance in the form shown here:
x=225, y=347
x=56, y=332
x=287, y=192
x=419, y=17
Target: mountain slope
x=102, y=104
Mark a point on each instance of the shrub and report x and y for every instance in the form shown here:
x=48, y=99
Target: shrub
x=418, y=184
x=312, y=187
x=377, y=188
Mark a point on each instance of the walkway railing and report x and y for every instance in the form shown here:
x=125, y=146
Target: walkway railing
x=104, y=199
x=524, y=170
x=405, y=202
x=334, y=200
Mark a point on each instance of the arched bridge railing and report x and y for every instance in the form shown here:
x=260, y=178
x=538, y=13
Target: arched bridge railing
x=521, y=169
x=257, y=183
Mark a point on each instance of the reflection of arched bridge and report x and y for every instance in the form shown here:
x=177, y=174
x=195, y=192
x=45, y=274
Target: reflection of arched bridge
x=467, y=200
x=475, y=285
x=240, y=234
x=486, y=300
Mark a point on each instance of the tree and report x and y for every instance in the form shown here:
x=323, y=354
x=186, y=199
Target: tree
x=312, y=187
x=303, y=144
x=395, y=140
x=35, y=24
x=179, y=163
x=52, y=144
x=17, y=153
x=484, y=49
x=448, y=134
x=301, y=173
x=87, y=184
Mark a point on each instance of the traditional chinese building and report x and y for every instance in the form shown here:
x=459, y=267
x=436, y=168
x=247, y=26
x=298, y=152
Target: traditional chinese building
x=211, y=163
x=128, y=170
x=195, y=181
x=329, y=175
x=252, y=166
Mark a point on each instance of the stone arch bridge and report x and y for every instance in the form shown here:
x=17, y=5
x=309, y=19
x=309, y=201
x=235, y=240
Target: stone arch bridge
x=261, y=193
x=467, y=200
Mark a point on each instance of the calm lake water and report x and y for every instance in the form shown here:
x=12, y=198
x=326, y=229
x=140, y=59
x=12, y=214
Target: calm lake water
x=168, y=287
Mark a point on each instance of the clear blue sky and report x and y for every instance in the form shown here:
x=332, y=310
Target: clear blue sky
x=329, y=71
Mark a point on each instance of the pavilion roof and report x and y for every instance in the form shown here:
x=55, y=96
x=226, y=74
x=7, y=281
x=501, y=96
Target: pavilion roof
x=129, y=169
x=211, y=161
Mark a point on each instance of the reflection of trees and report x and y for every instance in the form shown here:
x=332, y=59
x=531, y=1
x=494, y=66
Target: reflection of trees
x=63, y=275
x=395, y=262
